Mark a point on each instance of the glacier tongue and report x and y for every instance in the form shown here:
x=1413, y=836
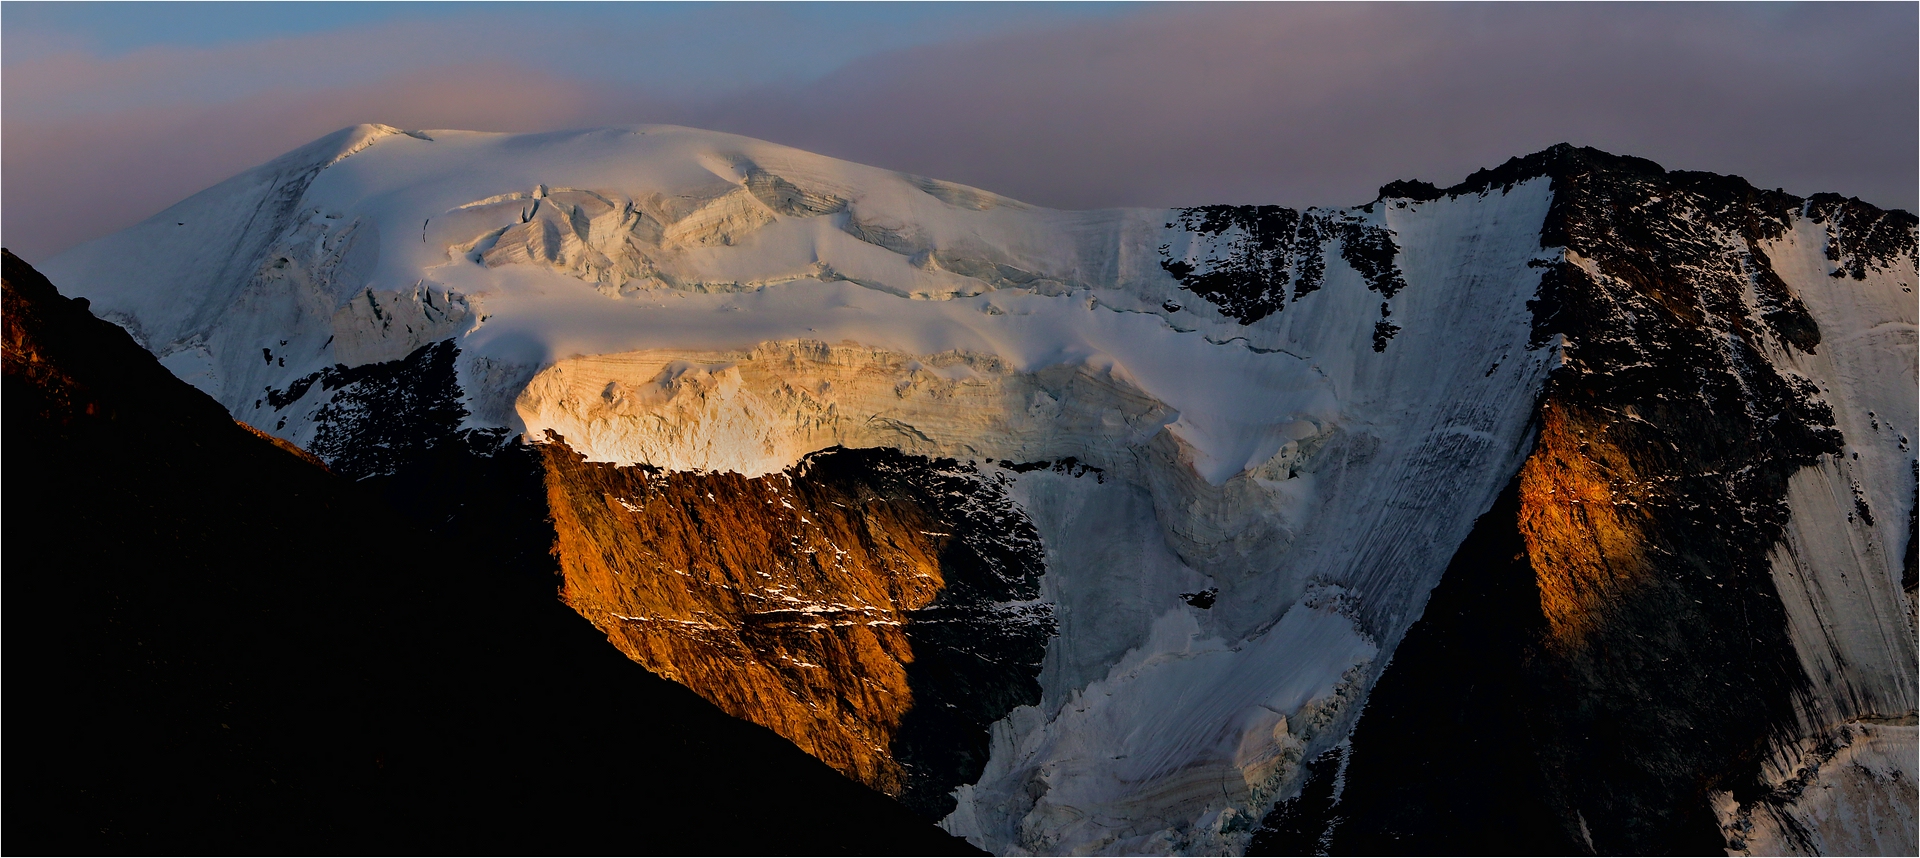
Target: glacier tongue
x=1178, y=749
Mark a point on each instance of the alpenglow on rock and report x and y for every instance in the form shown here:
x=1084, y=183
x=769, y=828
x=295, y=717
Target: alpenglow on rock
x=1096, y=531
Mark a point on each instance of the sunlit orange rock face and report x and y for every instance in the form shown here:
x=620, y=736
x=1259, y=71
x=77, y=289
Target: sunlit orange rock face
x=791, y=600
x=1581, y=520
x=284, y=444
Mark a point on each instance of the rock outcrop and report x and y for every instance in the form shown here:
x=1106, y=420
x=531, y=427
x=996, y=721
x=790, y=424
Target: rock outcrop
x=877, y=609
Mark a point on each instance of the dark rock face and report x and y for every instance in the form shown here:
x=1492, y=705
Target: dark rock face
x=1249, y=281
x=234, y=650
x=1860, y=236
x=1071, y=466
x=1410, y=189
x=1303, y=825
x=1310, y=260
x=377, y=417
x=1609, y=647
x=1371, y=251
x=1251, y=253
x=1203, y=600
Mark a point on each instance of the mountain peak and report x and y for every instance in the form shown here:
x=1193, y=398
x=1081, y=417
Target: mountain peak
x=1658, y=375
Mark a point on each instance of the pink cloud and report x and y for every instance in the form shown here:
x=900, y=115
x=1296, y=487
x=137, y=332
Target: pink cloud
x=1316, y=105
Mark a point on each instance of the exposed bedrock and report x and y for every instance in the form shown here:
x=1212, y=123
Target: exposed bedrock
x=879, y=610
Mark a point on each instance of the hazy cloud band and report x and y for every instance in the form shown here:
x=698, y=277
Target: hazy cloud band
x=1298, y=104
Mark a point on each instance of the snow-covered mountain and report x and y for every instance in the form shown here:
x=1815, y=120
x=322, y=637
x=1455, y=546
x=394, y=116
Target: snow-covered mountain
x=1176, y=484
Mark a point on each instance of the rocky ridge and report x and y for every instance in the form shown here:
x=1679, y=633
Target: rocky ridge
x=1662, y=619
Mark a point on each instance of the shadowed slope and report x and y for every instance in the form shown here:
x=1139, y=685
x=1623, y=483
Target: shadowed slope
x=223, y=647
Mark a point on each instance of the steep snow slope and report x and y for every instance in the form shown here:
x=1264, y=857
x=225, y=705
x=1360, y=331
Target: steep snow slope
x=1297, y=415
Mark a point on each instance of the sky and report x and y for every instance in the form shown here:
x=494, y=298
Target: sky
x=110, y=112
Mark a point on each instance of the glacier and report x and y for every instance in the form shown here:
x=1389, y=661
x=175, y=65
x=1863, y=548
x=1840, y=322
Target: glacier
x=1300, y=413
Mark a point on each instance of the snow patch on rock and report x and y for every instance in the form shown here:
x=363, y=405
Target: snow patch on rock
x=1853, y=793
